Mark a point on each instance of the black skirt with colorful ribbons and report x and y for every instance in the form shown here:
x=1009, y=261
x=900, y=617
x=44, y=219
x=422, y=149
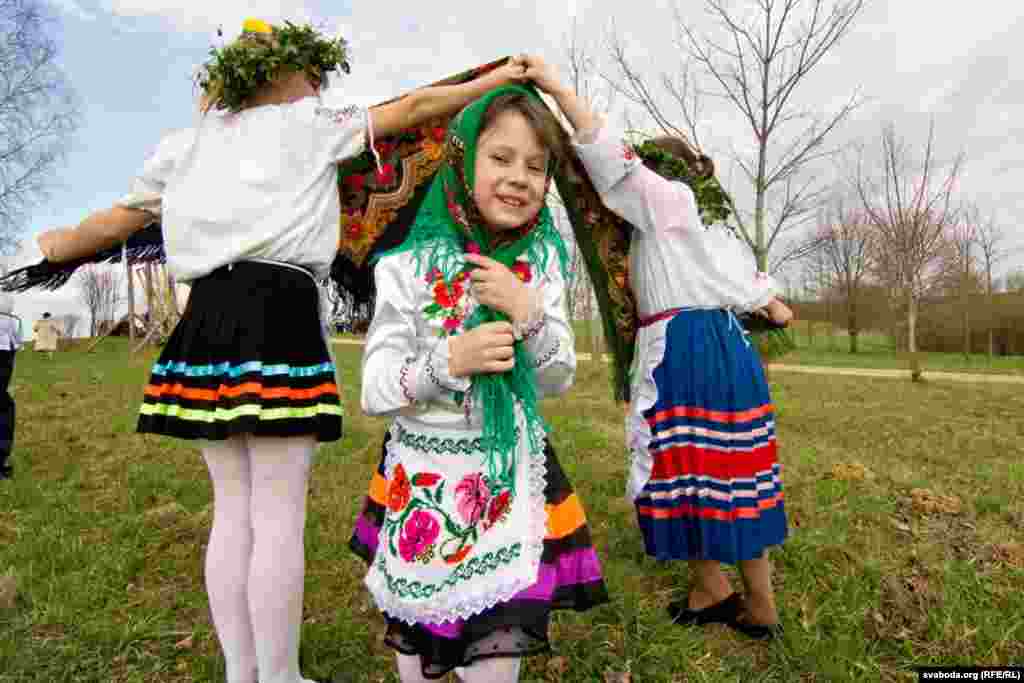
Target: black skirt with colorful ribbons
x=249, y=356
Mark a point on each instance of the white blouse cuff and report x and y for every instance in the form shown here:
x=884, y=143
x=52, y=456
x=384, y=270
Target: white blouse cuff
x=606, y=155
x=435, y=376
x=525, y=329
x=587, y=136
x=766, y=289
x=142, y=199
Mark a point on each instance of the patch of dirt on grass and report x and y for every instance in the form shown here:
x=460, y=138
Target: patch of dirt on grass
x=929, y=502
x=8, y=529
x=850, y=472
x=166, y=515
x=1010, y=554
x=904, y=604
x=8, y=590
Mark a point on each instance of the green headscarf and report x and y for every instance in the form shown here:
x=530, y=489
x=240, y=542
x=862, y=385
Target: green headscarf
x=447, y=226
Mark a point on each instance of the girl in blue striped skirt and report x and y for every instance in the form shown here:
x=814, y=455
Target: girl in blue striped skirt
x=705, y=479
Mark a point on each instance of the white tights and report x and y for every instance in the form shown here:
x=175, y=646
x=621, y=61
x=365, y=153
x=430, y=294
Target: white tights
x=496, y=670
x=255, y=563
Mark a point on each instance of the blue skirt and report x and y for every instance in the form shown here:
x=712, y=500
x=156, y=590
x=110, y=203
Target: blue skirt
x=713, y=489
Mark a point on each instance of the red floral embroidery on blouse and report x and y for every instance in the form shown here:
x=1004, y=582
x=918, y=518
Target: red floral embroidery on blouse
x=446, y=300
x=522, y=270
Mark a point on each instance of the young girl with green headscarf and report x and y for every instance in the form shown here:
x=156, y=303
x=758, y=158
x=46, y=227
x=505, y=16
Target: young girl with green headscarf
x=472, y=531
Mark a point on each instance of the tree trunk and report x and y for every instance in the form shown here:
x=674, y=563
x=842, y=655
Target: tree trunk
x=991, y=307
x=966, y=301
x=148, y=273
x=831, y=327
x=151, y=321
x=967, y=333
x=851, y=326
x=762, y=259
x=594, y=326
x=915, y=365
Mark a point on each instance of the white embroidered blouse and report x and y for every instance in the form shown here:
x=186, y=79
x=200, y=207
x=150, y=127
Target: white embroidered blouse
x=455, y=540
x=674, y=261
x=260, y=183
x=405, y=362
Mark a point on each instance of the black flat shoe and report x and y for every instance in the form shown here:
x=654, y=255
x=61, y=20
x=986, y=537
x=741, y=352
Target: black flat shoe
x=757, y=631
x=722, y=612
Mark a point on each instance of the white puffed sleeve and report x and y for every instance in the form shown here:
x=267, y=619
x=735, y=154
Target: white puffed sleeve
x=630, y=189
x=548, y=336
x=148, y=188
x=344, y=131
x=743, y=286
x=400, y=368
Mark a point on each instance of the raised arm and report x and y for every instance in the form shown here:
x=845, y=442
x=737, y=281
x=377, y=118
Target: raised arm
x=625, y=185
x=425, y=104
x=134, y=211
x=99, y=231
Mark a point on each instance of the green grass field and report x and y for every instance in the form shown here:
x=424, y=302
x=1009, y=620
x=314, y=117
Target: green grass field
x=906, y=508
x=819, y=344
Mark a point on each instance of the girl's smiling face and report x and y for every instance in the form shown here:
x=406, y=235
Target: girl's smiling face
x=511, y=172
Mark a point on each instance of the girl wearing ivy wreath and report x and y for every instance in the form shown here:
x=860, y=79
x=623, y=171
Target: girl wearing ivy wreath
x=471, y=529
x=704, y=478
x=250, y=212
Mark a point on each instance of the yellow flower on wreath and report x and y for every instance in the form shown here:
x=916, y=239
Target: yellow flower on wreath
x=256, y=26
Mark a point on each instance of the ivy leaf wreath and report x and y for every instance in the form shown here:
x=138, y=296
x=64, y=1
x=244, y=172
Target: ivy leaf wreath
x=714, y=205
x=238, y=70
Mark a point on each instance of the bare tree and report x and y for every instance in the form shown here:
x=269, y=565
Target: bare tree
x=755, y=61
x=911, y=210
x=844, y=240
x=100, y=292
x=990, y=239
x=37, y=113
x=962, y=240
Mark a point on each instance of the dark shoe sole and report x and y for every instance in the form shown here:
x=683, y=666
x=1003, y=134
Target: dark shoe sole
x=722, y=612
x=757, y=631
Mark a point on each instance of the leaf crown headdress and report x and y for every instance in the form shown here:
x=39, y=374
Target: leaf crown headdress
x=714, y=205
x=235, y=72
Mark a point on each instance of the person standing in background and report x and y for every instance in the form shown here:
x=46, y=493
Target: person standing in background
x=46, y=331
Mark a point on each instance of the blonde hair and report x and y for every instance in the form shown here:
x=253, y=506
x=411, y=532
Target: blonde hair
x=540, y=119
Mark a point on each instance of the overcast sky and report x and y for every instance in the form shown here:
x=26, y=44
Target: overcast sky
x=132, y=61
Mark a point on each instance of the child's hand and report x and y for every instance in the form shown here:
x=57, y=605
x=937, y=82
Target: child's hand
x=779, y=312
x=484, y=349
x=542, y=74
x=513, y=71
x=496, y=286
x=49, y=242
